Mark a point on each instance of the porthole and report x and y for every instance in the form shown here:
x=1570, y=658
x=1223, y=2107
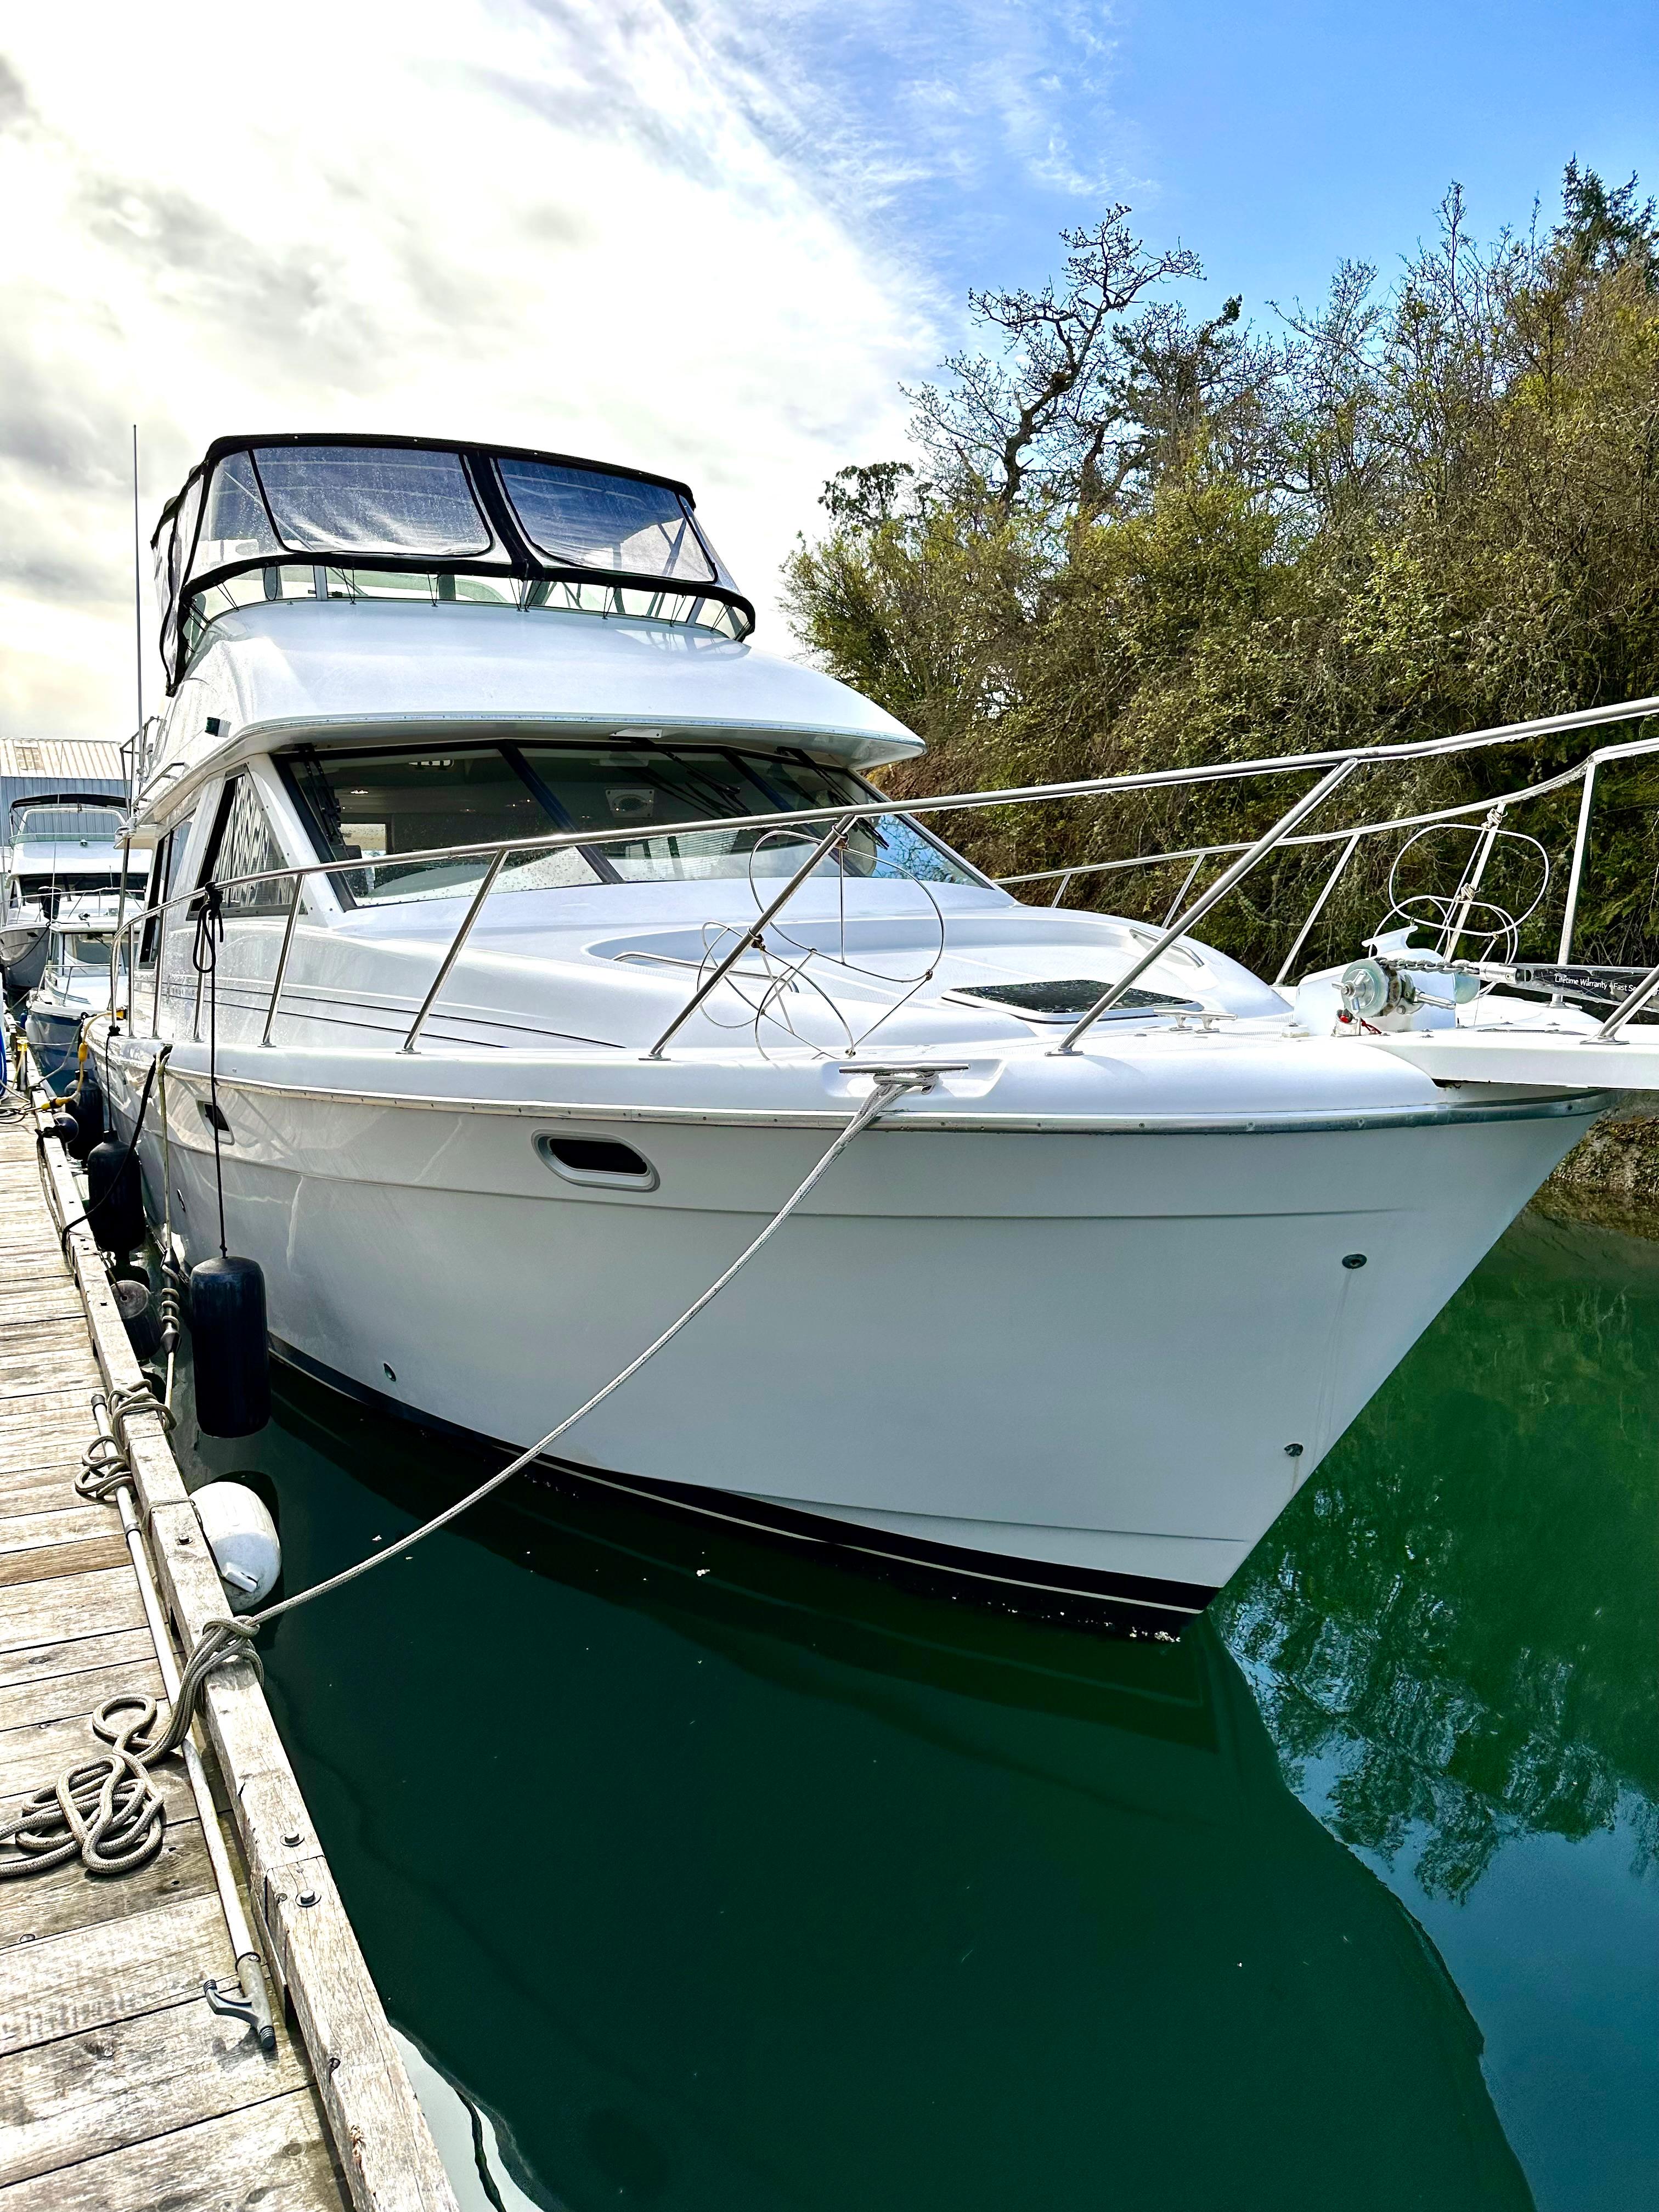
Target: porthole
x=214, y=1118
x=601, y=1161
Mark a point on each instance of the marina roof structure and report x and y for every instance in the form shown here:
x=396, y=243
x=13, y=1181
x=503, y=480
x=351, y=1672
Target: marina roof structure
x=29, y=766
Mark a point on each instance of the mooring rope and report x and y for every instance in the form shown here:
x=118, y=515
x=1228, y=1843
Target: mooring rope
x=205, y=959
x=108, y=1811
x=85, y=1220
x=887, y=1089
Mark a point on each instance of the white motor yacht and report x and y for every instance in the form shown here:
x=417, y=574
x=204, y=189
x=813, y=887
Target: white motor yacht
x=567, y=1006
x=74, y=986
x=63, y=862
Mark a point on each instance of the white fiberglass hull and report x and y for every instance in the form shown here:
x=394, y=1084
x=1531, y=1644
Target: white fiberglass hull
x=1100, y=1359
x=23, y=957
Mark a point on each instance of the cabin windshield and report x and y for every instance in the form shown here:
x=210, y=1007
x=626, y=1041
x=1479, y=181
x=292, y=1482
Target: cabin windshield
x=69, y=888
x=83, y=952
x=64, y=826
x=374, y=806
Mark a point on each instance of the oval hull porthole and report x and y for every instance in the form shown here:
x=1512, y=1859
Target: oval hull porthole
x=599, y=1162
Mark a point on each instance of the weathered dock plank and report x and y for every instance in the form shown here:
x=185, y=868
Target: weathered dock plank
x=256, y=2159
x=56, y=1903
x=44, y=1563
x=55, y=1659
x=60, y=1693
x=56, y=1524
x=114, y=2088
x=118, y=2087
x=85, y=1604
x=89, y=1976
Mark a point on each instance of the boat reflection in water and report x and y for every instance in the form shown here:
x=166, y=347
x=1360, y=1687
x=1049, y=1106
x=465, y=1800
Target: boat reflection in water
x=741, y=1880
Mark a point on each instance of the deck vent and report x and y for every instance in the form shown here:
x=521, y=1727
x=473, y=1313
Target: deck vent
x=599, y=1160
x=1065, y=999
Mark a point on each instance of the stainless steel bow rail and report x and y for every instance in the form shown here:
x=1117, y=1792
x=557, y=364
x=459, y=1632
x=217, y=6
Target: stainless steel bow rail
x=836, y=823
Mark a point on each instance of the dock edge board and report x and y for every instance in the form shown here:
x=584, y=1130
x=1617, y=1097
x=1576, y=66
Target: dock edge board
x=380, y=2135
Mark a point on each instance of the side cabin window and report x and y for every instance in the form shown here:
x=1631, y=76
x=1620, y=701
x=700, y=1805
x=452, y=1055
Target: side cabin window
x=244, y=844
x=163, y=883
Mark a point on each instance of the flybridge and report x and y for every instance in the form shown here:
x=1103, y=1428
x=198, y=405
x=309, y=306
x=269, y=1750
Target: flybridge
x=335, y=516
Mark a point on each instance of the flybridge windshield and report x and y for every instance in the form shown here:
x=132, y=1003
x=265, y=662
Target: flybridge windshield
x=353, y=500
x=518, y=521
x=605, y=521
x=67, y=826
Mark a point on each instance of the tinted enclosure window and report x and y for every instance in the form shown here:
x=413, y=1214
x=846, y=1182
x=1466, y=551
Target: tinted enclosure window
x=633, y=789
x=363, y=499
x=374, y=806
x=164, y=882
x=604, y=521
x=244, y=844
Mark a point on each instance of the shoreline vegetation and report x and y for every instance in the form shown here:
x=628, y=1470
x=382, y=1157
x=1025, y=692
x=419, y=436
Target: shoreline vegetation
x=1612, y=1176
x=1126, y=537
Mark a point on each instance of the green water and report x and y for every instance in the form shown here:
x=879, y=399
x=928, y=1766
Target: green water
x=724, y=1879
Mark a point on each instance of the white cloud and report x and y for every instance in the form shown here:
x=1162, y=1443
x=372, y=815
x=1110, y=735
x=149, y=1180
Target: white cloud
x=560, y=225
x=699, y=235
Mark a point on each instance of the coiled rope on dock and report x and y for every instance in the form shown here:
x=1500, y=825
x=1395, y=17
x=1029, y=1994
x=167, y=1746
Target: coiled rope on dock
x=108, y=1811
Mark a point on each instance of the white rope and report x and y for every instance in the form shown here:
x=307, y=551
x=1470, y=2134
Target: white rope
x=888, y=1087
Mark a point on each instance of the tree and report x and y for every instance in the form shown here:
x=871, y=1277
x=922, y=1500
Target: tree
x=1131, y=536
x=1040, y=422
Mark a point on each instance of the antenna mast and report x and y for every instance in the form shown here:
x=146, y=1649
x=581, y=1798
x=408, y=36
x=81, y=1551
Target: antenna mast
x=137, y=589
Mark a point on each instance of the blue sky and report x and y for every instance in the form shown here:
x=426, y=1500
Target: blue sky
x=711, y=236
x=1275, y=139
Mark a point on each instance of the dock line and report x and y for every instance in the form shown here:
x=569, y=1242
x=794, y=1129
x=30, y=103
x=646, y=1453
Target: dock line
x=891, y=1083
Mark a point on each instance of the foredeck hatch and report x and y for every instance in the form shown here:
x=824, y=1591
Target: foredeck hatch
x=1067, y=998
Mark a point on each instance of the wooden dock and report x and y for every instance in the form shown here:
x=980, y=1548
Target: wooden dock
x=119, y=2090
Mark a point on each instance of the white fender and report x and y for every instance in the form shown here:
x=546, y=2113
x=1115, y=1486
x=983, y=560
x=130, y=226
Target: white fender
x=243, y=1539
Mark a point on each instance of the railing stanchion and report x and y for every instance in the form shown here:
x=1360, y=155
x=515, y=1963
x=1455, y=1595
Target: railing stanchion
x=1579, y=845
x=1200, y=906
x=454, y=952
x=1186, y=882
x=161, y=950
x=1608, y=1032
x=1318, y=906
x=753, y=935
x=282, y=957
x=1463, y=898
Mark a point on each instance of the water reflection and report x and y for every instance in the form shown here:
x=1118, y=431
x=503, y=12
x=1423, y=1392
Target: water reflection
x=724, y=1877
x=1461, y=1616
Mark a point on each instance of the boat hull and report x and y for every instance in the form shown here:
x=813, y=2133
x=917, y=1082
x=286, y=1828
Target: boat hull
x=1115, y=1353
x=54, y=1036
x=22, y=958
